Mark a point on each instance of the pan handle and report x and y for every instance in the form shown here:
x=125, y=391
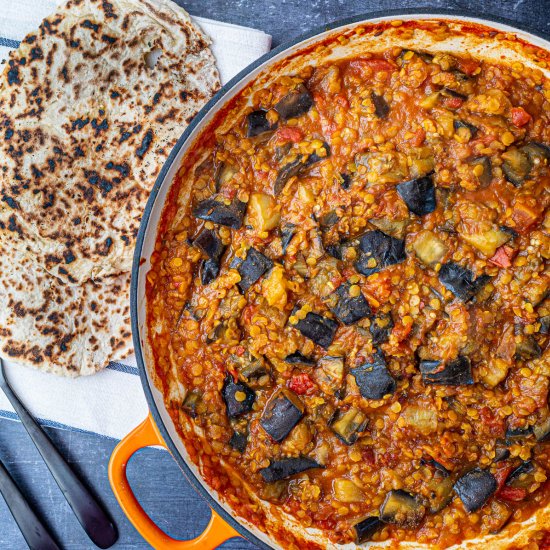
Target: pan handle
x=146, y=435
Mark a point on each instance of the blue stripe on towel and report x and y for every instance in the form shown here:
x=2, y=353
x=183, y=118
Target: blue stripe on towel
x=9, y=43
x=123, y=368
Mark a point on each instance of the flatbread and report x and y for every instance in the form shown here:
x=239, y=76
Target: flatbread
x=88, y=114
x=65, y=329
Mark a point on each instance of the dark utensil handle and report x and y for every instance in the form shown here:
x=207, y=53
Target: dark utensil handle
x=97, y=524
x=31, y=527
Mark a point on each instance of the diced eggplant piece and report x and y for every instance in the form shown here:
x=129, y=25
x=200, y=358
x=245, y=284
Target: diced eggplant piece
x=537, y=152
x=528, y=348
x=281, y=414
x=349, y=309
x=252, y=268
x=296, y=103
x=452, y=93
x=299, y=359
x=441, y=490
x=238, y=441
x=287, y=467
x=402, y=509
x=381, y=107
x=223, y=174
x=544, y=324
x=522, y=476
x=421, y=419
x=429, y=248
x=315, y=157
x=346, y=181
x=542, y=429
x=364, y=530
x=418, y=194
x=248, y=365
x=460, y=281
x=300, y=266
x=514, y=435
x=475, y=488
x=210, y=243
x=330, y=374
x=395, y=228
x=334, y=250
x=262, y=213
x=209, y=270
x=487, y=242
x=374, y=379
x=192, y=403
x=286, y=172
x=317, y=328
x=238, y=397
x=329, y=219
x=349, y=424
x=257, y=123
x=377, y=251
x=501, y=450
x=455, y=373
x=457, y=124
x=496, y=516
x=287, y=232
x=216, y=211
x=516, y=166
x=380, y=328
x=487, y=175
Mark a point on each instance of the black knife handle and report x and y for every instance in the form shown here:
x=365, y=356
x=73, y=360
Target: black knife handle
x=95, y=521
x=31, y=527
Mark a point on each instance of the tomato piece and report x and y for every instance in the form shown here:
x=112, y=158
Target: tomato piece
x=452, y=102
x=301, y=384
x=376, y=64
x=468, y=66
x=513, y=494
x=502, y=474
x=289, y=133
x=418, y=138
x=503, y=256
x=520, y=117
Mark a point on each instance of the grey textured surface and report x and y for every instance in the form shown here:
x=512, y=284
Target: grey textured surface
x=159, y=485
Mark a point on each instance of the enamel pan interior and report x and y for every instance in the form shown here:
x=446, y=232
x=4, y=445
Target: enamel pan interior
x=148, y=230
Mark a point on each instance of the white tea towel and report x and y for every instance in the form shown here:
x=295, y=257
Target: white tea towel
x=110, y=403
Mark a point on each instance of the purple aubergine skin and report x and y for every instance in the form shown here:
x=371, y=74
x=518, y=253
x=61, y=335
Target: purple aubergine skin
x=94, y=520
x=31, y=527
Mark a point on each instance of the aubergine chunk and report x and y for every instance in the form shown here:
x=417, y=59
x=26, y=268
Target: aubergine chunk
x=364, y=530
x=238, y=441
x=381, y=107
x=460, y=281
x=419, y=195
x=317, y=328
x=457, y=372
x=210, y=243
x=287, y=232
x=485, y=162
x=377, y=251
x=296, y=103
x=286, y=172
x=192, y=403
x=238, y=397
x=374, y=379
x=348, y=309
x=519, y=477
x=287, y=467
x=257, y=123
x=209, y=270
x=380, y=328
x=541, y=429
x=349, y=424
x=544, y=324
x=315, y=157
x=281, y=414
x=252, y=268
x=457, y=124
x=346, y=181
x=475, y=488
x=299, y=359
x=215, y=211
x=401, y=508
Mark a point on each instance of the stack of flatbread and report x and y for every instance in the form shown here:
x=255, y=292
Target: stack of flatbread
x=90, y=106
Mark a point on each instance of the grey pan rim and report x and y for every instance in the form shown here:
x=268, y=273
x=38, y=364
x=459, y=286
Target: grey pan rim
x=217, y=99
